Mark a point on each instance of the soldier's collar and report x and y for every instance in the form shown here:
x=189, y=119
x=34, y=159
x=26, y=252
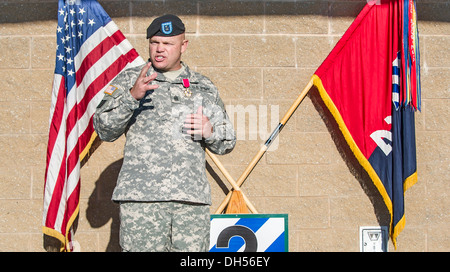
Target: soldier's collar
x=186, y=74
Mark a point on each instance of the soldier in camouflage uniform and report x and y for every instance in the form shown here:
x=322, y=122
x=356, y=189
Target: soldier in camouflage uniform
x=169, y=115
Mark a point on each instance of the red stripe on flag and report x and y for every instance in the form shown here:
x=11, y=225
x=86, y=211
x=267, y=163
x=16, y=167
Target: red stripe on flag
x=58, y=188
x=100, y=82
x=71, y=206
x=100, y=50
x=67, y=166
x=109, y=74
x=71, y=125
x=85, y=138
x=70, y=162
x=55, y=127
x=79, y=110
x=56, y=121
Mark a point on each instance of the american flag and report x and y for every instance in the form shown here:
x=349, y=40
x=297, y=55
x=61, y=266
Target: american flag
x=91, y=51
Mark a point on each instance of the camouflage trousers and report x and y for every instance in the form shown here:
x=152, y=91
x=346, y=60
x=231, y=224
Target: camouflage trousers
x=164, y=226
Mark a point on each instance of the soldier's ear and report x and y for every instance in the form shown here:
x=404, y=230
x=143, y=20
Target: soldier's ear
x=184, y=45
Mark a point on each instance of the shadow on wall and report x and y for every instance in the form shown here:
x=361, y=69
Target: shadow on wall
x=380, y=209
x=44, y=10
x=102, y=210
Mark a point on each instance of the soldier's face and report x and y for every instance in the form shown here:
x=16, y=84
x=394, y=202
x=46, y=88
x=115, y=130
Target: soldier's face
x=165, y=52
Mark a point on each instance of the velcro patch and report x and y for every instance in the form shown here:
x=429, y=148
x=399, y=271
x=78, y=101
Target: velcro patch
x=110, y=89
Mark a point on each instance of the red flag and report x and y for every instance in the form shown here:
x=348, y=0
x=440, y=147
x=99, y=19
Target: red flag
x=356, y=82
x=91, y=51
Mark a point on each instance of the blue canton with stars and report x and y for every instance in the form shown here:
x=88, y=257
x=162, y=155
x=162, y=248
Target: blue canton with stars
x=77, y=21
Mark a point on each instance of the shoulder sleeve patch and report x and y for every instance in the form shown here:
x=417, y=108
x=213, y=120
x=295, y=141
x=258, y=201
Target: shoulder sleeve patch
x=110, y=89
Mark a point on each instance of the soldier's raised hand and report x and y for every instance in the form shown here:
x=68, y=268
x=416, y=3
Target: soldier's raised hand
x=141, y=86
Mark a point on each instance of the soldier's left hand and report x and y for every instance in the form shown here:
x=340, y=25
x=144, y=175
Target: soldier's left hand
x=198, y=125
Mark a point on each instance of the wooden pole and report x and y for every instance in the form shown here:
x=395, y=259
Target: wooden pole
x=230, y=179
x=267, y=144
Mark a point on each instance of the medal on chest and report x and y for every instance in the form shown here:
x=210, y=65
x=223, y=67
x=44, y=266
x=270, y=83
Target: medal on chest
x=186, y=85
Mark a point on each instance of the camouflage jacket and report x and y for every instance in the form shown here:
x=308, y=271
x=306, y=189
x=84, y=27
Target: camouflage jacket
x=160, y=162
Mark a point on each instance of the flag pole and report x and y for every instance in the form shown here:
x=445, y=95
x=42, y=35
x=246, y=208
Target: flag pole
x=231, y=181
x=267, y=144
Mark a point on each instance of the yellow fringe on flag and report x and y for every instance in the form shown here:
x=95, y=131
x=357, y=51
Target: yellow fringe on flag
x=357, y=152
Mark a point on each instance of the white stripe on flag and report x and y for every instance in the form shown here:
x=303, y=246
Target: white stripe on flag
x=56, y=157
x=395, y=97
x=93, y=41
x=395, y=79
x=395, y=62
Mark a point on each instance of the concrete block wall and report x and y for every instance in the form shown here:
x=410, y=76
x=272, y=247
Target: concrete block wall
x=260, y=54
